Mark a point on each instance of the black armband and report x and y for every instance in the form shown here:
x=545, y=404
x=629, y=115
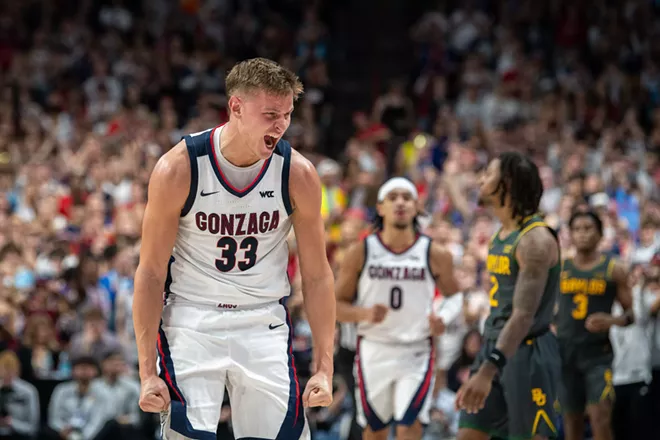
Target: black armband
x=497, y=358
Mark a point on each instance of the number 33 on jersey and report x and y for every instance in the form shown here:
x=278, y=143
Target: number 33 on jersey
x=403, y=282
x=234, y=236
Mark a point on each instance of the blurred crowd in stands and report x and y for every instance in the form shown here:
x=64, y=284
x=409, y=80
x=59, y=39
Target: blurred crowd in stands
x=93, y=92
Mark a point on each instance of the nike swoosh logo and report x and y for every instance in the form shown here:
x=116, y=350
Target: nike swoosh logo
x=203, y=194
x=273, y=327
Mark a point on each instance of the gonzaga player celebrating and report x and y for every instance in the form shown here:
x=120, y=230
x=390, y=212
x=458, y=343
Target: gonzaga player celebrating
x=221, y=204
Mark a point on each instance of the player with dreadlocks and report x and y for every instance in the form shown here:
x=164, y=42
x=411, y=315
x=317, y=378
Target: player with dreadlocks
x=512, y=388
x=387, y=285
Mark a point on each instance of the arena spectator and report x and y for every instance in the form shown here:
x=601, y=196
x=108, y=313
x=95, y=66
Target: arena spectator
x=95, y=339
x=124, y=392
x=19, y=401
x=650, y=293
x=632, y=374
x=333, y=197
x=39, y=352
x=80, y=408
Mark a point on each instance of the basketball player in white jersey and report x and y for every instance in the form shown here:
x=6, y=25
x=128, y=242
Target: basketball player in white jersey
x=220, y=207
x=387, y=285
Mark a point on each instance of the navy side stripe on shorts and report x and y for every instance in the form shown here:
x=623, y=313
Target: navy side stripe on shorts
x=179, y=421
x=374, y=422
x=294, y=421
x=283, y=148
x=168, y=280
x=422, y=392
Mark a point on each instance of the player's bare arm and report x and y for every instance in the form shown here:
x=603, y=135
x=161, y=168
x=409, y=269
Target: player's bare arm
x=346, y=285
x=442, y=268
x=168, y=189
x=602, y=322
x=536, y=253
x=623, y=287
x=316, y=274
x=346, y=288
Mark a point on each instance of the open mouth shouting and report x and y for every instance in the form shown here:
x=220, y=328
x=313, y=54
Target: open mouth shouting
x=270, y=142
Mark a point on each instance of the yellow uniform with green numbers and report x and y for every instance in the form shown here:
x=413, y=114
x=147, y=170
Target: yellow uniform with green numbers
x=586, y=358
x=521, y=401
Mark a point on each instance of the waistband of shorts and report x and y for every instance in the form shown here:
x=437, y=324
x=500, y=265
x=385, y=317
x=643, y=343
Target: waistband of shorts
x=222, y=307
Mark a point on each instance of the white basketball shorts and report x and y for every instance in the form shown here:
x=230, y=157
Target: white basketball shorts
x=394, y=383
x=202, y=351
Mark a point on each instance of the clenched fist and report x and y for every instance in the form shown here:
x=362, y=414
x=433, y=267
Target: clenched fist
x=599, y=322
x=318, y=391
x=378, y=313
x=154, y=395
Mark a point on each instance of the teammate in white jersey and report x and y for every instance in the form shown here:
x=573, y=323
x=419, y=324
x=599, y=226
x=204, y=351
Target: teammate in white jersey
x=220, y=206
x=395, y=273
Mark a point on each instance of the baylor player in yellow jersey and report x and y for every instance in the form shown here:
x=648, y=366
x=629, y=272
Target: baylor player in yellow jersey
x=590, y=282
x=513, y=386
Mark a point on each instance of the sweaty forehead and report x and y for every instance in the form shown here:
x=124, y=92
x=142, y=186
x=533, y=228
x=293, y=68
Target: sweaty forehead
x=271, y=102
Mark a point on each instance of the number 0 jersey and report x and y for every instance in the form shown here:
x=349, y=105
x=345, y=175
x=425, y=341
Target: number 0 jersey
x=401, y=281
x=231, y=247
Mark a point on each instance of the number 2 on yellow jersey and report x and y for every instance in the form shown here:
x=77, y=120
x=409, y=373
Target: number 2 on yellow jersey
x=493, y=290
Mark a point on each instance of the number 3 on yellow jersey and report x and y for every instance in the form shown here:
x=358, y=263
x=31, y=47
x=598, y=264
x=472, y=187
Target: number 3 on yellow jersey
x=581, y=306
x=493, y=290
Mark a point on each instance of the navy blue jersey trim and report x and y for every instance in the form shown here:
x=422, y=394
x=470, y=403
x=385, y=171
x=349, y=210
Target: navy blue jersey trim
x=168, y=279
x=283, y=149
x=365, y=242
x=195, y=149
x=366, y=254
x=428, y=259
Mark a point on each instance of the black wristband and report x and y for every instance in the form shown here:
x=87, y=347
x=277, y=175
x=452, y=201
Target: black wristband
x=497, y=358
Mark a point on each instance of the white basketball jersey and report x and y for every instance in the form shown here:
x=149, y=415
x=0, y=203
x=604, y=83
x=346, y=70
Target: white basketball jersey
x=231, y=247
x=403, y=282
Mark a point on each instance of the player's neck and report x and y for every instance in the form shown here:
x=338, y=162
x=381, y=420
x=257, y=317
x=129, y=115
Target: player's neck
x=234, y=148
x=398, y=239
x=504, y=215
x=586, y=258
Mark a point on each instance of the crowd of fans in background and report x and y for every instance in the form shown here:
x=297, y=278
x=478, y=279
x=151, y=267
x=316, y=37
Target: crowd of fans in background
x=92, y=93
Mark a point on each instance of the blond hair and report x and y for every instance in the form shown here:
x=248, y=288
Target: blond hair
x=31, y=328
x=9, y=361
x=261, y=74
